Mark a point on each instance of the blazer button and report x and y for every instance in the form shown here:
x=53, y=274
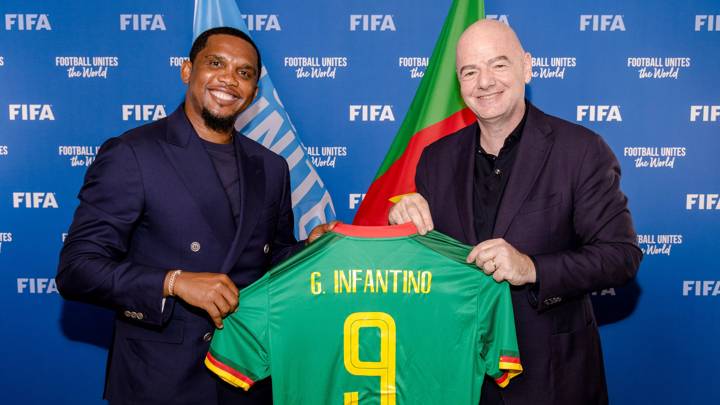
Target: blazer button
x=207, y=337
x=127, y=314
x=195, y=246
x=266, y=248
x=140, y=316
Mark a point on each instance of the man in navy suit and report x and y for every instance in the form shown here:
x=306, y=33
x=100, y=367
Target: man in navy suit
x=175, y=217
x=539, y=199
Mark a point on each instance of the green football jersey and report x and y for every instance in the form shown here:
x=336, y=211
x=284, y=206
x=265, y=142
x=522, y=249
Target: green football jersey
x=369, y=315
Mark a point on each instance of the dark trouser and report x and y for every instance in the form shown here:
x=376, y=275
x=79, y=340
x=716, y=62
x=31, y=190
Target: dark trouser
x=490, y=394
x=259, y=394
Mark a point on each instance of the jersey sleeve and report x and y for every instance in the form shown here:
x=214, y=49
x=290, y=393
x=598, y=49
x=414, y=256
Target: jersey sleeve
x=499, y=348
x=239, y=352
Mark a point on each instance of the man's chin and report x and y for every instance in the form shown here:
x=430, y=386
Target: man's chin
x=221, y=123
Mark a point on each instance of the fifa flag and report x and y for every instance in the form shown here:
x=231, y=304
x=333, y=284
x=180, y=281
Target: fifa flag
x=267, y=122
x=436, y=111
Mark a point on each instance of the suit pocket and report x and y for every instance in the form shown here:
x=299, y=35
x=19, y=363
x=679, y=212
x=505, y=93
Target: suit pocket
x=173, y=332
x=578, y=375
x=541, y=203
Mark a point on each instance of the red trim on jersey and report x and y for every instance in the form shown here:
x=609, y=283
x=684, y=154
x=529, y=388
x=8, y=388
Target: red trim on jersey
x=509, y=359
x=228, y=369
x=390, y=231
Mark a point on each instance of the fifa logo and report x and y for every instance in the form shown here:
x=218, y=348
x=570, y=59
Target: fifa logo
x=709, y=22
x=354, y=200
x=709, y=113
x=372, y=112
x=142, y=22
x=598, y=113
x=503, y=18
x=372, y=22
x=27, y=22
x=262, y=22
x=34, y=200
x=604, y=22
x=36, y=285
x=30, y=112
x=143, y=112
x=702, y=201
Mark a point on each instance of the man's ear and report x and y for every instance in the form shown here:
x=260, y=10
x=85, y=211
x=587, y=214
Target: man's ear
x=185, y=71
x=527, y=67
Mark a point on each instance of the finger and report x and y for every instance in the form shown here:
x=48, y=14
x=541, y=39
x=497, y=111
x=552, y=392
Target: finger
x=332, y=225
x=403, y=214
x=473, y=254
x=490, y=265
x=498, y=276
x=231, y=286
x=221, y=304
x=486, y=255
x=427, y=217
x=231, y=299
x=417, y=219
x=214, y=313
x=394, y=216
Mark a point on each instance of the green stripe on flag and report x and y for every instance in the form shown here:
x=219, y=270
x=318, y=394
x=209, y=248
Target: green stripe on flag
x=438, y=95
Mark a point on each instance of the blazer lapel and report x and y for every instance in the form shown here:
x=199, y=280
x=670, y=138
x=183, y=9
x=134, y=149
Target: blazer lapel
x=463, y=174
x=252, y=191
x=533, y=151
x=191, y=161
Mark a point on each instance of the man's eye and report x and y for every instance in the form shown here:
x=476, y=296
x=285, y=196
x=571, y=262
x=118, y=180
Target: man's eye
x=215, y=63
x=469, y=74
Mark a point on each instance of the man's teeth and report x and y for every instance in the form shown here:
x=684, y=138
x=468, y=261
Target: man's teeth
x=223, y=96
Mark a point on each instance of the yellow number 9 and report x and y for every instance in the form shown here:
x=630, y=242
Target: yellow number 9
x=385, y=367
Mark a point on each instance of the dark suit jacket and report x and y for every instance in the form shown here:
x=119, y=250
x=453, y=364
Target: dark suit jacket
x=152, y=202
x=563, y=207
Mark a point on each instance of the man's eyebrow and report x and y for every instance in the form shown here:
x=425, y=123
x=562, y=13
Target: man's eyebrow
x=465, y=67
x=213, y=56
x=498, y=58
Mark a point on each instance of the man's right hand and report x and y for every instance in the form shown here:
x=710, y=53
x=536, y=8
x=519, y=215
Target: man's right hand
x=412, y=208
x=215, y=293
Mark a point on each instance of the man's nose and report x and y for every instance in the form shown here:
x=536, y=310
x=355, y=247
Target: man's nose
x=228, y=78
x=484, y=80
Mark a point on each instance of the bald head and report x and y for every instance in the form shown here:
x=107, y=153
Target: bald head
x=490, y=31
x=492, y=69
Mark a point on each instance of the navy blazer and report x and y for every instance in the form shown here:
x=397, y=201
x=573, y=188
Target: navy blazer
x=563, y=207
x=152, y=202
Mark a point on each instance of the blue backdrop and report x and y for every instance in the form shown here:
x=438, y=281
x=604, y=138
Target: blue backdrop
x=643, y=74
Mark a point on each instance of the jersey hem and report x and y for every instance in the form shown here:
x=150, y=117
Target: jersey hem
x=511, y=367
x=227, y=373
x=389, y=231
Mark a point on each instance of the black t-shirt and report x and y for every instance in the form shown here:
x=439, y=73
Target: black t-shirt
x=226, y=166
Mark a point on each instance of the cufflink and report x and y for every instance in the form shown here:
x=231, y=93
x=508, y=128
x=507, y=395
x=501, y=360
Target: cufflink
x=266, y=248
x=207, y=337
x=140, y=316
x=195, y=246
x=552, y=301
x=127, y=314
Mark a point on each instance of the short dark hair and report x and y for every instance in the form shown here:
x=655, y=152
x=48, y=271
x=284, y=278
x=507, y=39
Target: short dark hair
x=201, y=42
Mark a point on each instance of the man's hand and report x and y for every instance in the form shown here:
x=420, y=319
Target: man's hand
x=412, y=208
x=501, y=260
x=321, y=230
x=213, y=292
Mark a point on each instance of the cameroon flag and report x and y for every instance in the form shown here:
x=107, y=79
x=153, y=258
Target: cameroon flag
x=436, y=111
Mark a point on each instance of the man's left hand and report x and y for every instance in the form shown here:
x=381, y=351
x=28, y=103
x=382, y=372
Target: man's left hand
x=320, y=230
x=502, y=261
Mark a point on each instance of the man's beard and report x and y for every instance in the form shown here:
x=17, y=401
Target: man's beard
x=218, y=124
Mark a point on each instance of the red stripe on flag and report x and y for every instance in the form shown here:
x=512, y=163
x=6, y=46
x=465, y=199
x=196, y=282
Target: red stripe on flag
x=400, y=177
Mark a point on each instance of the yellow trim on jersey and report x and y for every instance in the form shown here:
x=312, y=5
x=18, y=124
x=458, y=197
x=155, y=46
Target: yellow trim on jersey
x=229, y=378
